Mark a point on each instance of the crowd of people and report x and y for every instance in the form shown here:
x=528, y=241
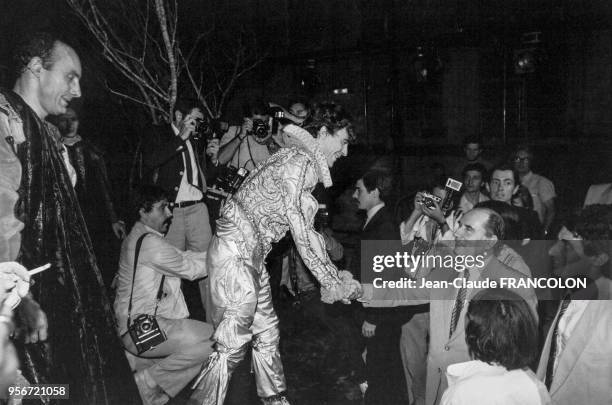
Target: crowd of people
x=117, y=326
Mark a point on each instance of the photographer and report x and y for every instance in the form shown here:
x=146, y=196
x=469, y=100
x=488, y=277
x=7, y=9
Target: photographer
x=426, y=221
x=247, y=145
x=175, y=165
x=151, y=285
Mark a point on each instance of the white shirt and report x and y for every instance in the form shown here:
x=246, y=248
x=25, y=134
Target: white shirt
x=567, y=323
x=69, y=168
x=466, y=205
x=188, y=192
x=156, y=259
x=541, y=190
x=478, y=383
x=372, y=211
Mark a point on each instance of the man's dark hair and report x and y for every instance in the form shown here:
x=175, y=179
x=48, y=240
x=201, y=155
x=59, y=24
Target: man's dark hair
x=331, y=116
x=255, y=106
x=185, y=105
x=524, y=148
x=378, y=179
x=476, y=167
x=472, y=139
x=36, y=44
x=146, y=196
x=505, y=167
x=501, y=329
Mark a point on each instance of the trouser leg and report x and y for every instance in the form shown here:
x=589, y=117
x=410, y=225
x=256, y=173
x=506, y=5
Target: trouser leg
x=198, y=234
x=234, y=291
x=179, y=359
x=176, y=231
x=269, y=375
x=413, y=349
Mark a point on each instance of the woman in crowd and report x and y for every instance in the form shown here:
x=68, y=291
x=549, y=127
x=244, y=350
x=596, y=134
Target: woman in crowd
x=502, y=338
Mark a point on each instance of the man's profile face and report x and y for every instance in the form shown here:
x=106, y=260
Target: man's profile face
x=60, y=83
x=158, y=217
x=472, y=151
x=333, y=146
x=502, y=186
x=366, y=199
x=471, y=236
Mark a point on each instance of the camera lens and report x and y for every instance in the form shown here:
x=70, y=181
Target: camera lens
x=145, y=326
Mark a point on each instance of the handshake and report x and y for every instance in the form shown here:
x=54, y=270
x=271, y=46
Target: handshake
x=348, y=289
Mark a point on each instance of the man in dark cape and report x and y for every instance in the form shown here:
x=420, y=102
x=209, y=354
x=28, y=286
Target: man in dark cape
x=94, y=193
x=82, y=349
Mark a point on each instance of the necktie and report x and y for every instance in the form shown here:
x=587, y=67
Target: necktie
x=459, y=302
x=550, y=366
x=189, y=167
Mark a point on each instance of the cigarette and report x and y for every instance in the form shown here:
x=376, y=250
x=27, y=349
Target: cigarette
x=39, y=269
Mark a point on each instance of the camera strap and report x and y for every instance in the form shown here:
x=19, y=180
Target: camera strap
x=160, y=291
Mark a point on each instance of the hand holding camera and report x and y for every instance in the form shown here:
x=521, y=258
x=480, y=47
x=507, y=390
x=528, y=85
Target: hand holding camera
x=212, y=149
x=430, y=206
x=247, y=127
x=188, y=126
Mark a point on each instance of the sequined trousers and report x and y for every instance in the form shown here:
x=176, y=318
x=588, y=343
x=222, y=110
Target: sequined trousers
x=242, y=314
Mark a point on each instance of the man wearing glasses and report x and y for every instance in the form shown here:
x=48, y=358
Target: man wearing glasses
x=541, y=189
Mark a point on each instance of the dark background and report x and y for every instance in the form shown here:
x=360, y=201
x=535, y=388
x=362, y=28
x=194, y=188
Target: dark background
x=371, y=48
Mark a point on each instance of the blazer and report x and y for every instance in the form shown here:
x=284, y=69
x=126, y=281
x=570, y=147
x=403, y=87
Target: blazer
x=381, y=226
x=163, y=160
x=445, y=350
x=584, y=371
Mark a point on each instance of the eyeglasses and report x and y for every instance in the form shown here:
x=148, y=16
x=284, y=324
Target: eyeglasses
x=521, y=159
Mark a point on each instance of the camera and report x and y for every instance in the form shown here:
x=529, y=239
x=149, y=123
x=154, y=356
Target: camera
x=321, y=220
x=146, y=333
x=209, y=129
x=261, y=129
x=227, y=183
x=428, y=200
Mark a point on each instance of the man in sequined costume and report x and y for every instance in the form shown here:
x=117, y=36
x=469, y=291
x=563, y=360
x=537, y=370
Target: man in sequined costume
x=274, y=199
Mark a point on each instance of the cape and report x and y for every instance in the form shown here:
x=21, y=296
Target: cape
x=83, y=349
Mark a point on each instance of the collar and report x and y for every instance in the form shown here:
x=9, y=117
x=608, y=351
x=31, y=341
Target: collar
x=72, y=140
x=174, y=128
x=372, y=211
x=296, y=136
x=148, y=229
x=458, y=371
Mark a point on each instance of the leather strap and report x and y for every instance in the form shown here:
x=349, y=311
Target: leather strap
x=161, y=285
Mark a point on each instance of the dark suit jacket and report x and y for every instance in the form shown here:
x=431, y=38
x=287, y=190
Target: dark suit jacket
x=381, y=226
x=163, y=160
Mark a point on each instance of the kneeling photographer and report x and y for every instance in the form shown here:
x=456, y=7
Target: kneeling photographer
x=150, y=308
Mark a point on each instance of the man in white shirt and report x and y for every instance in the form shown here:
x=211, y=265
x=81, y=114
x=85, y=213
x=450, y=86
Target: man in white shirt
x=175, y=165
x=178, y=359
x=474, y=178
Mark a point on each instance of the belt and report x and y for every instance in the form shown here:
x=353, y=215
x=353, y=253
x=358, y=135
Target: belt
x=184, y=204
